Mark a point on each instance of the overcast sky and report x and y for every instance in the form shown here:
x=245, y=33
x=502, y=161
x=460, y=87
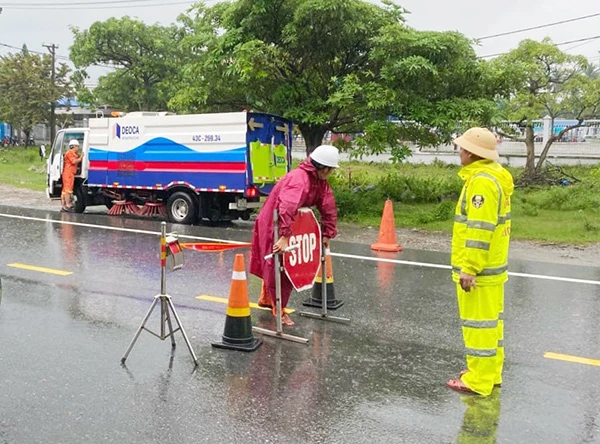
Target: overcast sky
x=475, y=18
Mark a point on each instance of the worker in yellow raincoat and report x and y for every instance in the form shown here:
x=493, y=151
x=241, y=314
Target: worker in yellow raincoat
x=480, y=240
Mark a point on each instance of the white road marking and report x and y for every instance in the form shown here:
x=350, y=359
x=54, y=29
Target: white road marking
x=448, y=267
x=348, y=256
x=106, y=227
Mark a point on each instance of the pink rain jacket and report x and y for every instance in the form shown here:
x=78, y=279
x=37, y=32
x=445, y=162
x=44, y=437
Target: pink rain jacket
x=299, y=188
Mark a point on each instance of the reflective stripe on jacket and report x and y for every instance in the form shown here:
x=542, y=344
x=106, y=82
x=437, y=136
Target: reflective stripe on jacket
x=482, y=225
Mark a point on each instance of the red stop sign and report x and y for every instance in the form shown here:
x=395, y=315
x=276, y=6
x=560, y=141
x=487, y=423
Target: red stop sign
x=302, y=264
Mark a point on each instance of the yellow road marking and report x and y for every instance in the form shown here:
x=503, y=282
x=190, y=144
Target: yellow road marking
x=576, y=359
x=40, y=269
x=205, y=297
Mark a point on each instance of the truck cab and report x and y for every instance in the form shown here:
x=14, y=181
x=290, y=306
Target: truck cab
x=54, y=165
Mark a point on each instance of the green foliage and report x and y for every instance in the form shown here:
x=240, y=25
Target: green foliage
x=444, y=211
x=566, y=198
x=538, y=79
x=425, y=196
x=304, y=59
x=22, y=167
x=401, y=183
x=361, y=202
x=431, y=82
x=146, y=58
x=26, y=88
x=593, y=227
x=595, y=175
x=339, y=65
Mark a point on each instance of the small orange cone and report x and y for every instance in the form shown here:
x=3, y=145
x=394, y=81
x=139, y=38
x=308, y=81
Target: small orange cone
x=387, y=231
x=316, y=299
x=238, y=324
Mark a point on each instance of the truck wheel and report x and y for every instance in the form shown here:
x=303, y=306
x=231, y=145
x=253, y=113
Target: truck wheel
x=78, y=200
x=182, y=208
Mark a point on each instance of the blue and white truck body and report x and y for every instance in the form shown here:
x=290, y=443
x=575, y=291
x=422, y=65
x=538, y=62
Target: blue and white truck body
x=201, y=166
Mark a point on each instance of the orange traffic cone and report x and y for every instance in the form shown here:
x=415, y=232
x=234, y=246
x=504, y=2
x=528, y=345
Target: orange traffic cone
x=387, y=231
x=238, y=324
x=316, y=299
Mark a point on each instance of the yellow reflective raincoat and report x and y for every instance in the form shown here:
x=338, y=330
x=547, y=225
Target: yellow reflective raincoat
x=482, y=224
x=480, y=239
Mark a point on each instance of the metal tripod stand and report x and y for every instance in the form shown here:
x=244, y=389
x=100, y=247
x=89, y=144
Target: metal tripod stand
x=166, y=307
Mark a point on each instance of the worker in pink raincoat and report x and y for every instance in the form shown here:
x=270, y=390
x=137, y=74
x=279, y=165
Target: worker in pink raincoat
x=305, y=186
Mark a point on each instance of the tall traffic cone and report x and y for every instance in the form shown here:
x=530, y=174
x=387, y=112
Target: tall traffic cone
x=316, y=299
x=387, y=231
x=238, y=324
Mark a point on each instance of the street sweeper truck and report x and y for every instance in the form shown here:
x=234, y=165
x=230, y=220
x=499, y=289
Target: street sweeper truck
x=193, y=167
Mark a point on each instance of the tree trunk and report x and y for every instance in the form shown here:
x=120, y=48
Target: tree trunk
x=313, y=136
x=530, y=144
x=551, y=140
x=542, y=159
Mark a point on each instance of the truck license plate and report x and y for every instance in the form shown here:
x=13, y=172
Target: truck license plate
x=242, y=203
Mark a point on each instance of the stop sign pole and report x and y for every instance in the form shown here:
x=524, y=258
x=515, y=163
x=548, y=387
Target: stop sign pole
x=278, y=270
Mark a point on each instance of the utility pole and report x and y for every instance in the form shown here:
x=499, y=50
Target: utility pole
x=52, y=49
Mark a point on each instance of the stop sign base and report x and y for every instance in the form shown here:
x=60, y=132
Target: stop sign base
x=318, y=303
x=275, y=334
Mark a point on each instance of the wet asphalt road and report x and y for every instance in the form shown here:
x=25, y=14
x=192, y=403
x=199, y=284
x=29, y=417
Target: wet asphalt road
x=379, y=379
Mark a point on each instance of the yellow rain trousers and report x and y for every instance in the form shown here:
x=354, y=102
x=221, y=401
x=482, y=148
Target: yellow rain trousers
x=481, y=312
x=480, y=240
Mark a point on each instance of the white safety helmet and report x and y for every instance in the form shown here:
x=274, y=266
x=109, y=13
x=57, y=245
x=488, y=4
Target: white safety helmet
x=326, y=155
x=74, y=142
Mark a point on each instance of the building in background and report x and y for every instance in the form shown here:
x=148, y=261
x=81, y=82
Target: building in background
x=69, y=114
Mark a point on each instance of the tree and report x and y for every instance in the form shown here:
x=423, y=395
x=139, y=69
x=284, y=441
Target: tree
x=26, y=89
x=325, y=65
x=539, y=79
x=593, y=71
x=428, y=87
x=288, y=57
x=144, y=56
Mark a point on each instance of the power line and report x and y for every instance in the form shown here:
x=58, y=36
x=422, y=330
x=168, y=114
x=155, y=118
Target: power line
x=61, y=57
x=91, y=3
x=538, y=27
x=577, y=46
x=578, y=40
x=21, y=49
x=34, y=51
x=90, y=6
x=555, y=44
